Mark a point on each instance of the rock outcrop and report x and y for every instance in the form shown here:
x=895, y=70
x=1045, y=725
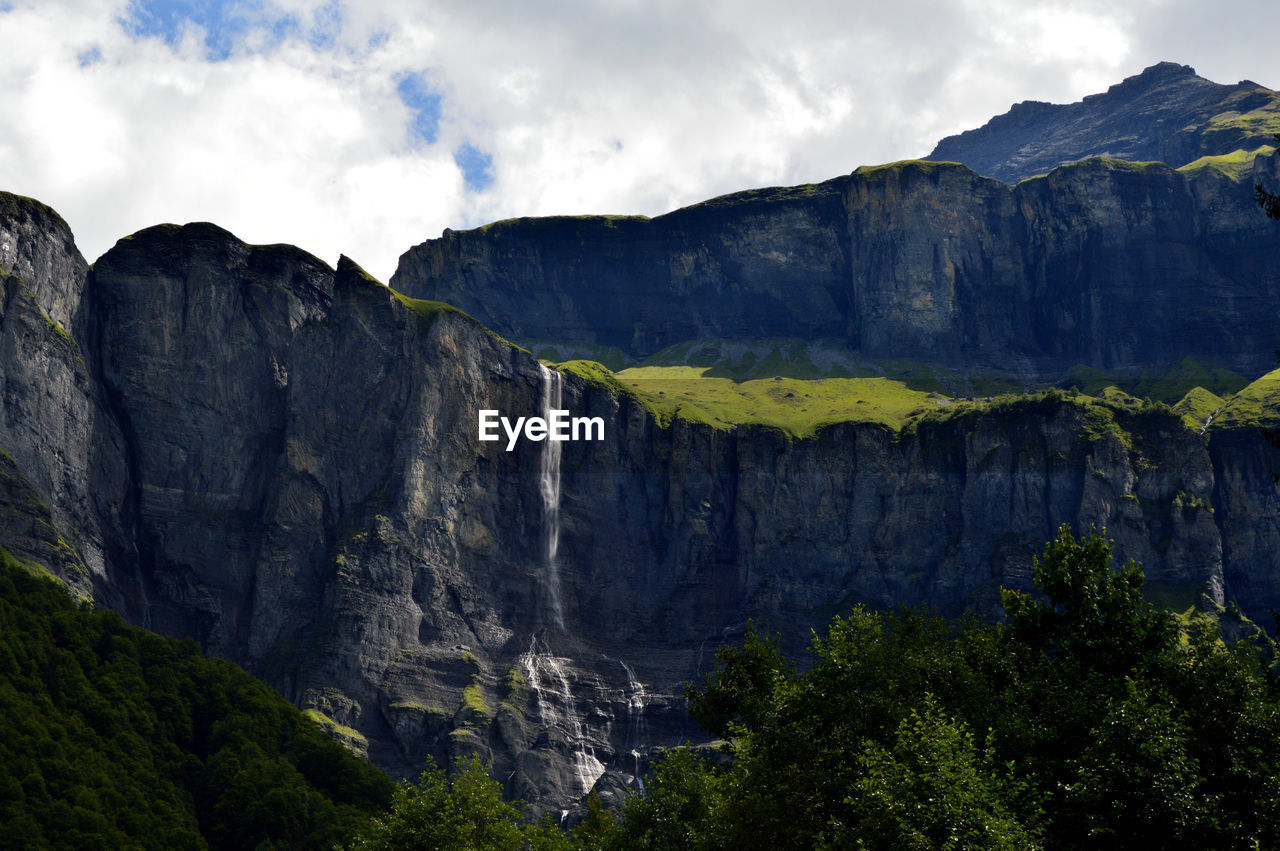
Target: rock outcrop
x=65, y=454
x=1166, y=114
x=1114, y=265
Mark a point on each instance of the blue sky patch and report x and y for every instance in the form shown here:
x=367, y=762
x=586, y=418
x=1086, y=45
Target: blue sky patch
x=226, y=23
x=223, y=22
x=328, y=24
x=476, y=165
x=416, y=94
x=92, y=56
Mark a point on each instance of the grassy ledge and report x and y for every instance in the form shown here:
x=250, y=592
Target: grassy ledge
x=800, y=408
x=1236, y=165
x=894, y=168
x=426, y=310
x=1197, y=407
x=1257, y=405
x=719, y=384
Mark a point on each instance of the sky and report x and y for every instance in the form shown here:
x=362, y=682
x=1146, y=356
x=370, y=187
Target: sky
x=363, y=128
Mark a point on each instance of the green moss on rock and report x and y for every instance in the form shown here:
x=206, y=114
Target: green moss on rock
x=1237, y=165
x=473, y=699
x=1256, y=406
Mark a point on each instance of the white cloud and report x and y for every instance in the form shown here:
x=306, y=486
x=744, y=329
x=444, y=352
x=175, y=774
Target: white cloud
x=639, y=106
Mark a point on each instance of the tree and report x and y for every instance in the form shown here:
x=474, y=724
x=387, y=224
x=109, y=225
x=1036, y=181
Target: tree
x=1088, y=719
x=464, y=812
x=931, y=789
x=678, y=809
x=1096, y=617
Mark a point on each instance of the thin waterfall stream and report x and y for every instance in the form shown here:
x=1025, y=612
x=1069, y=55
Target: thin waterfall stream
x=545, y=671
x=550, y=484
x=549, y=675
x=636, y=729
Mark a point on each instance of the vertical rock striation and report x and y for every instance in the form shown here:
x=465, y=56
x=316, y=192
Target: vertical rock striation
x=280, y=460
x=1110, y=264
x=54, y=426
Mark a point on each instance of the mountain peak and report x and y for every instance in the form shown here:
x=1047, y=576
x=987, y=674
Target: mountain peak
x=1153, y=77
x=1167, y=113
x=1165, y=69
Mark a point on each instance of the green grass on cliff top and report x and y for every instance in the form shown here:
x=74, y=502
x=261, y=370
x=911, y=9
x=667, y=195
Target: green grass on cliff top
x=797, y=406
x=927, y=166
x=549, y=350
x=1236, y=165
x=1169, y=386
x=1254, y=406
x=801, y=406
x=1197, y=407
x=425, y=309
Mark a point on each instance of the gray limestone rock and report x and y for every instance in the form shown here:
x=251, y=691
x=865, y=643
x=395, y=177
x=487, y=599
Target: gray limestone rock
x=281, y=460
x=53, y=422
x=1113, y=265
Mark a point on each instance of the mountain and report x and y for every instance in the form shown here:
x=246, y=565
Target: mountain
x=1167, y=114
x=1104, y=263
x=281, y=460
x=241, y=445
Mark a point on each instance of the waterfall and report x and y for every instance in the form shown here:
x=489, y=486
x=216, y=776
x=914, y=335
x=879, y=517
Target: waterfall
x=636, y=727
x=550, y=484
x=558, y=709
x=545, y=672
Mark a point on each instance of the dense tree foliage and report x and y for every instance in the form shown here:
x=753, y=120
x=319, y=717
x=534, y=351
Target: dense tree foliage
x=465, y=812
x=1088, y=719
x=442, y=812
x=113, y=737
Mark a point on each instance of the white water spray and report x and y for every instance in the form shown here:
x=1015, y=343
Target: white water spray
x=550, y=484
x=558, y=709
x=637, y=731
x=545, y=672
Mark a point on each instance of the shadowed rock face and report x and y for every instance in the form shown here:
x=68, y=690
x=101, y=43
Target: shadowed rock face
x=65, y=475
x=1165, y=114
x=761, y=260
x=1111, y=265
x=280, y=460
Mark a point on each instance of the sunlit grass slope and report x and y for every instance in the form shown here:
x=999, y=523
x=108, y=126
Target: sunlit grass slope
x=1256, y=405
x=801, y=406
x=795, y=405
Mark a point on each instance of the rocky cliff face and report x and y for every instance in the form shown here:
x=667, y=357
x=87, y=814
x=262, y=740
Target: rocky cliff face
x=1103, y=263
x=765, y=261
x=1167, y=114
x=239, y=444
x=65, y=455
